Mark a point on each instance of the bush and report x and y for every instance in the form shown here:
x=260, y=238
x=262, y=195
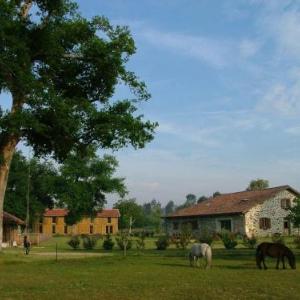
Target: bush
x=89, y=242
x=140, y=242
x=205, y=237
x=162, y=243
x=250, y=242
x=74, y=242
x=278, y=238
x=228, y=239
x=297, y=241
x=122, y=240
x=108, y=243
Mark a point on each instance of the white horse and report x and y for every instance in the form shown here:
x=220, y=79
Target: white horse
x=198, y=251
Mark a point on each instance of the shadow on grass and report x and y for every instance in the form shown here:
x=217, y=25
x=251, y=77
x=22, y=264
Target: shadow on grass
x=202, y=267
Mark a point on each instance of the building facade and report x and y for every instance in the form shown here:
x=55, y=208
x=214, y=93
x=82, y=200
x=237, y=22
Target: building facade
x=259, y=213
x=54, y=222
x=12, y=227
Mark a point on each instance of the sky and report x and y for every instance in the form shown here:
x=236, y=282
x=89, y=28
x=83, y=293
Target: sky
x=225, y=82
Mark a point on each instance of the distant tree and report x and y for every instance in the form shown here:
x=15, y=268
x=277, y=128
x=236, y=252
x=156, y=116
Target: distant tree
x=130, y=209
x=170, y=207
x=294, y=214
x=190, y=200
x=215, y=194
x=84, y=182
x=201, y=199
x=258, y=184
x=153, y=212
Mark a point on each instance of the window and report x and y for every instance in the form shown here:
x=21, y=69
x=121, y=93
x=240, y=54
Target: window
x=66, y=229
x=41, y=228
x=225, y=225
x=109, y=229
x=175, y=226
x=91, y=229
x=109, y=220
x=54, y=220
x=54, y=229
x=194, y=225
x=285, y=203
x=264, y=223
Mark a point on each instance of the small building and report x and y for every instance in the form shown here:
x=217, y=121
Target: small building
x=104, y=222
x=260, y=213
x=11, y=229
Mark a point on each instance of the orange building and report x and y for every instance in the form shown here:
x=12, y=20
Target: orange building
x=104, y=222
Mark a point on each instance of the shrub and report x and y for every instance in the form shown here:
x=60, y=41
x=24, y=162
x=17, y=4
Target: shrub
x=205, y=237
x=108, y=243
x=297, y=241
x=182, y=239
x=140, y=242
x=228, y=239
x=74, y=242
x=122, y=240
x=89, y=242
x=162, y=243
x=249, y=242
x=278, y=238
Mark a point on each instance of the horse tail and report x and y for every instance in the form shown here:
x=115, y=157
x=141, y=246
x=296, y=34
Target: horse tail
x=208, y=255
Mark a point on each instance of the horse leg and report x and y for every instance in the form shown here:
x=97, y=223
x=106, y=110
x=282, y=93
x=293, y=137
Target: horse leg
x=283, y=262
x=264, y=264
x=277, y=264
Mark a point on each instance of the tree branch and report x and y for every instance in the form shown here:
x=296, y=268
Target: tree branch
x=26, y=8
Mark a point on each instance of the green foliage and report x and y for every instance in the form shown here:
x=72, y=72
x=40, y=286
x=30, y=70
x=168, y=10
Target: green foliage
x=129, y=208
x=294, y=214
x=258, y=184
x=108, y=243
x=278, y=238
x=152, y=215
x=140, y=241
x=170, y=207
x=229, y=239
x=297, y=241
x=42, y=186
x=183, y=238
x=83, y=183
x=201, y=199
x=124, y=240
x=89, y=242
x=74, y=242
x=162, y=243
x=206, y=237
x=250, y=242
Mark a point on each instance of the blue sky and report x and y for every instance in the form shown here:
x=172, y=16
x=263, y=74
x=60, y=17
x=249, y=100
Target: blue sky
x=225, y=83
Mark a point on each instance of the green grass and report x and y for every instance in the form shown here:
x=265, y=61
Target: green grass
x=150, y=274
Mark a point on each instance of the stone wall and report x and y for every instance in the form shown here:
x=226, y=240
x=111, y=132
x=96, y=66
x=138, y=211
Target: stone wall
x=269, y=209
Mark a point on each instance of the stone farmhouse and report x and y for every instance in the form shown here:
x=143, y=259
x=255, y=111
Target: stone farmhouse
x=259, y=213
x=53, y=222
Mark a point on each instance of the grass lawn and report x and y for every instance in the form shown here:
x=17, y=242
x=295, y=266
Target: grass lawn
x=151, y=274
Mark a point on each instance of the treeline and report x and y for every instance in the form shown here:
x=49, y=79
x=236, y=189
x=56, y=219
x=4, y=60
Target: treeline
x=80, y=184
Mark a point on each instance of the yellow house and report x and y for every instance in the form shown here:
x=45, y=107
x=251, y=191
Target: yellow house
x=105, y=221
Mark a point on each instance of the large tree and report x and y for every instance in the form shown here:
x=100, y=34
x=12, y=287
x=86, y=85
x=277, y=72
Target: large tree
x=61, y=71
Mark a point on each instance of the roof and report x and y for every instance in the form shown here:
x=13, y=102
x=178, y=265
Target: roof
x=9, y=218
x=233, y=203
x=62, y=212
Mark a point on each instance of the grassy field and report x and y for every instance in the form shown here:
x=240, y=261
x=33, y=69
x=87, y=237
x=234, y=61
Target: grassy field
x=150, y=274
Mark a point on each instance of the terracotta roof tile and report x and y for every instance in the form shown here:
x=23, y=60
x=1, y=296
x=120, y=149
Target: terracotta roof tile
x=62, y=212
x=239, y=202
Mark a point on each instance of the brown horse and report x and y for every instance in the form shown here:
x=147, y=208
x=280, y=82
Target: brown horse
x=278, y=251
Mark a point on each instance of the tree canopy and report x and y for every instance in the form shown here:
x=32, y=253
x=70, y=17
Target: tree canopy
x=62, y=71
x=258, y=184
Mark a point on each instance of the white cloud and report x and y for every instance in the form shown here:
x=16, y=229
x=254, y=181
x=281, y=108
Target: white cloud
x=249, y=48
x=293, y=130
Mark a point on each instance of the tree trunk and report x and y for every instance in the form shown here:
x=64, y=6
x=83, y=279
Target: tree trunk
x=6, y=154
